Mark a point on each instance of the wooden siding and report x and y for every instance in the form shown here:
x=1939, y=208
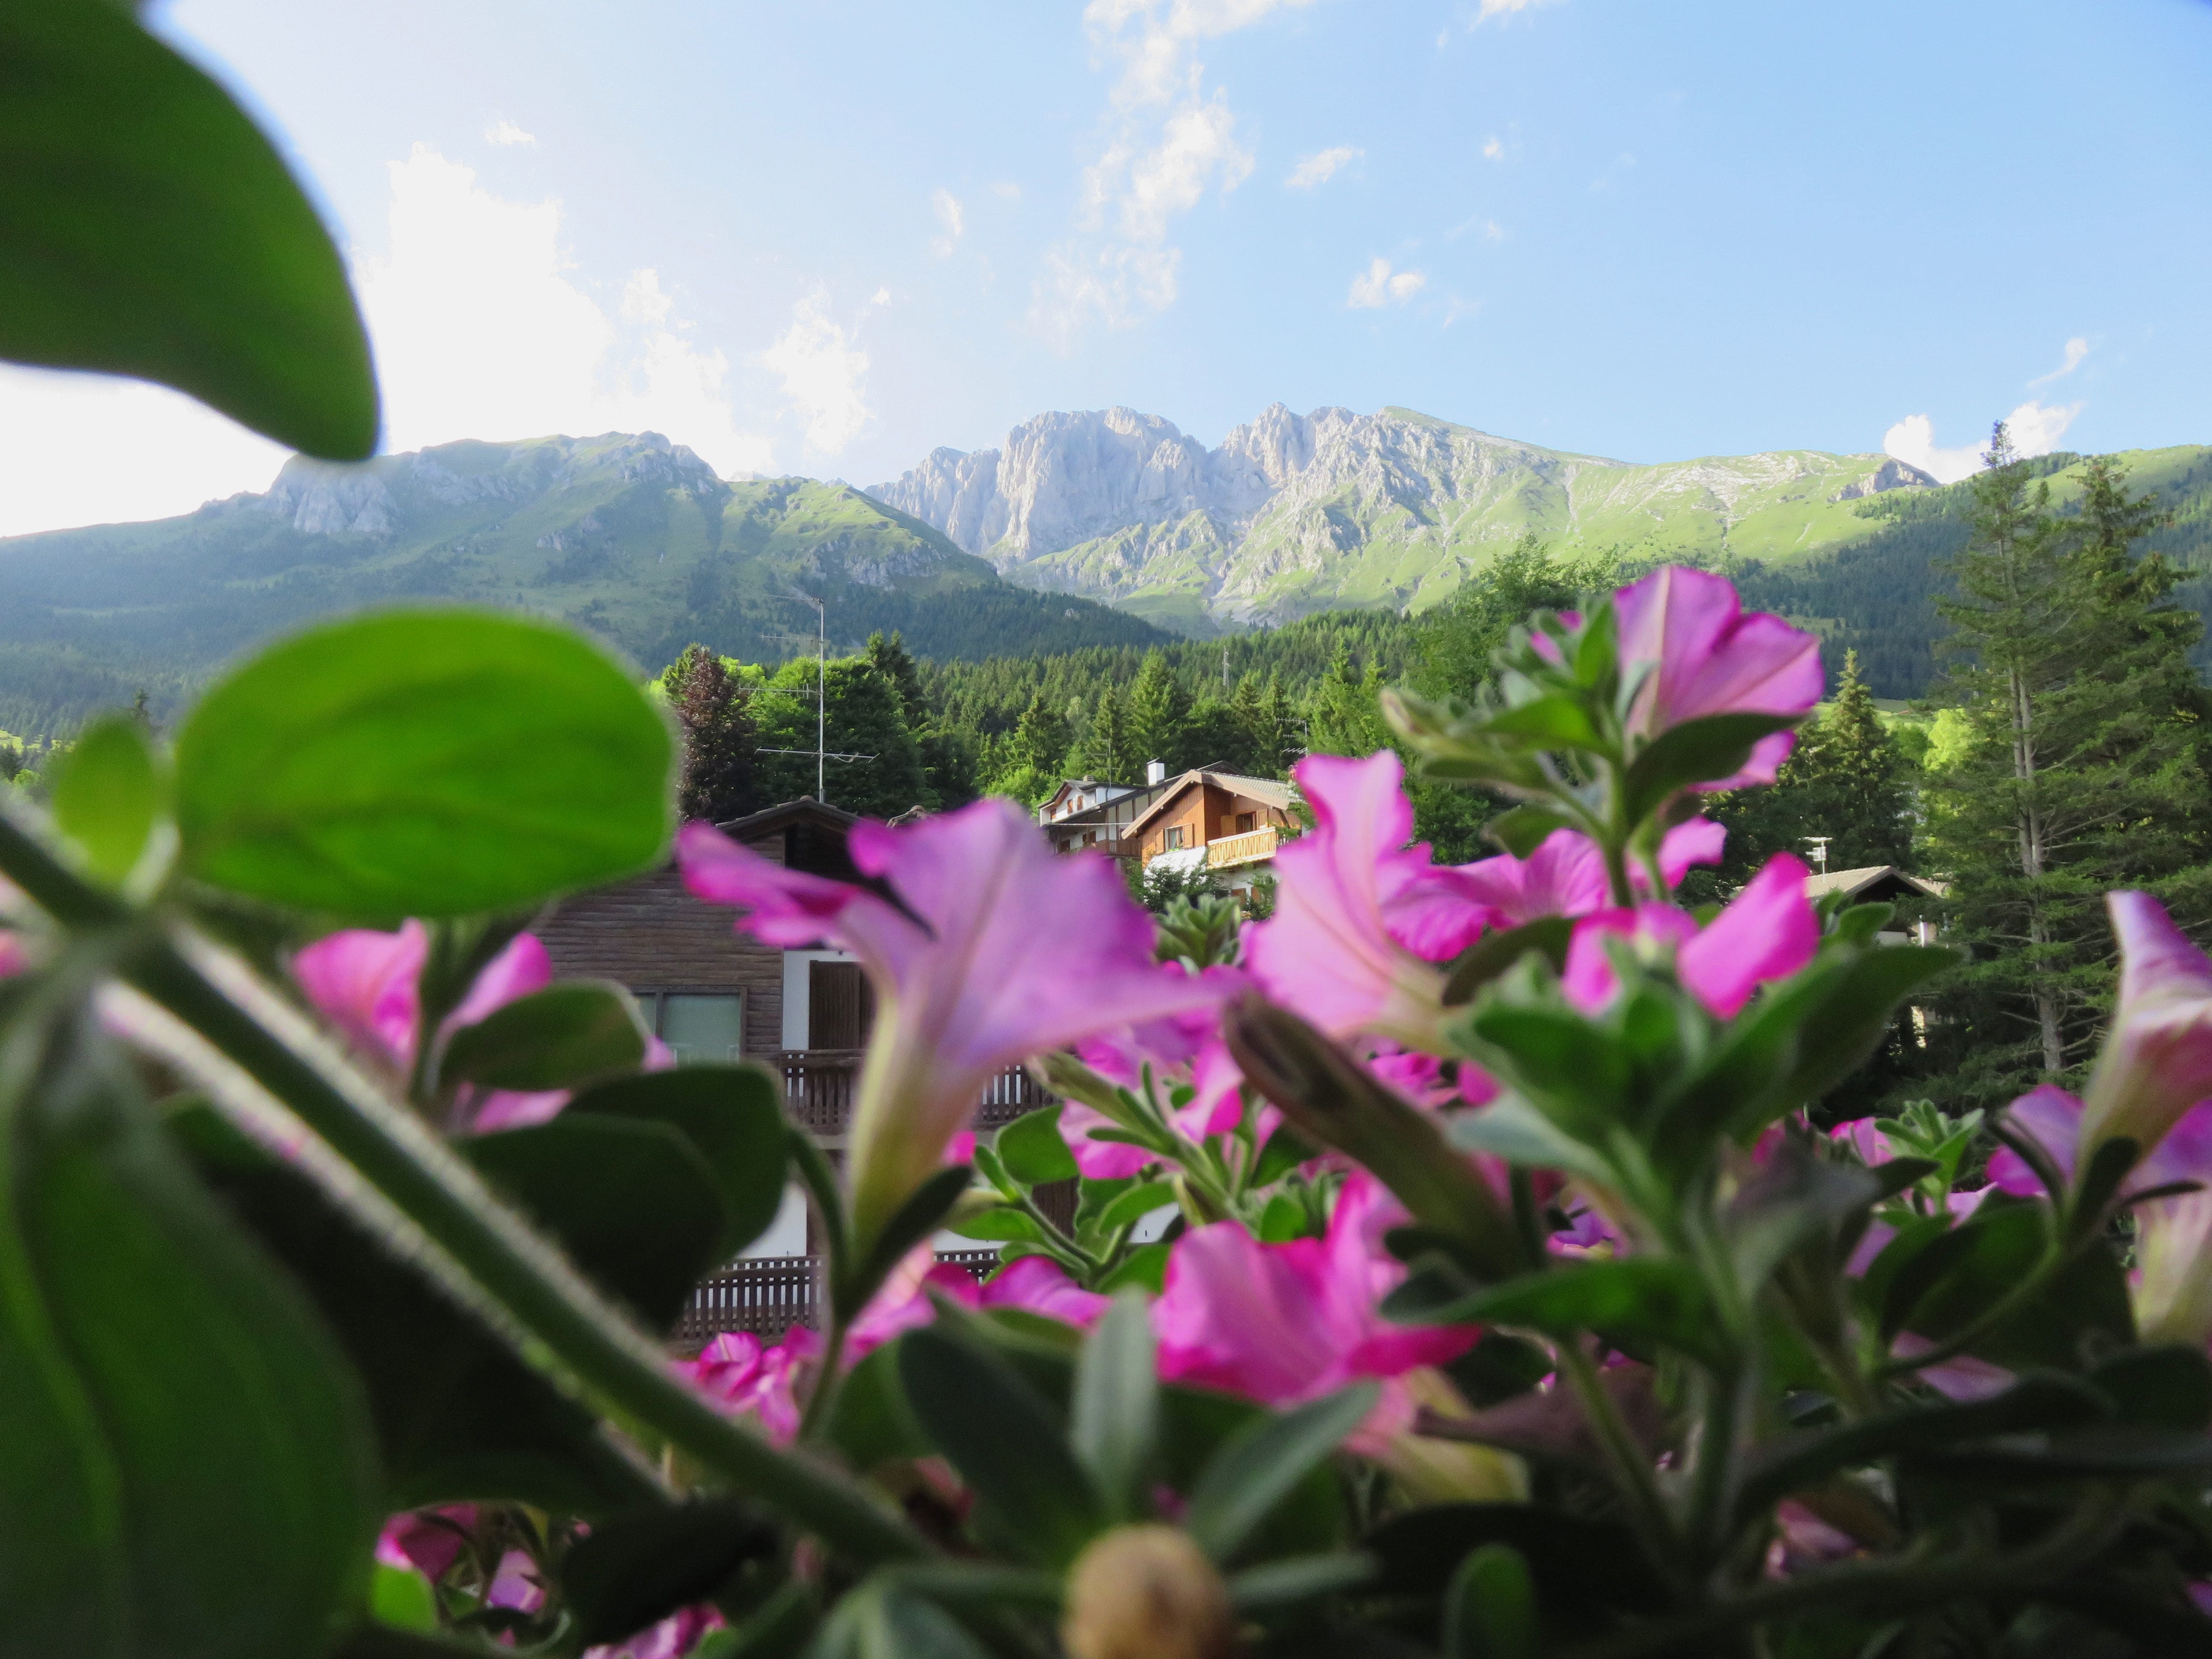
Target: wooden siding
x=650, y=934
x=1205, y=812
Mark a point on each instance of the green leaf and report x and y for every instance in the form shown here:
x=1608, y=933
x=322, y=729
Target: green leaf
x=1001, y=1435
x=633, y=1203
x=1696, y=751
x=732, y=1118
x=558, y=1038
x=777, y=1630
x=422, y=762
x=1490, y=1611
x=110, y=788
x=1116, y=1408
x=1260, y=1466
x=1300, y=1578
x=634, y=1569
x=1523, y=830
x=147, y=229
x=1136, y=1204
x=1031, y=1149
x=1483, y=962
x=1145, y=1268
x=458, y=1415
x=1283, y=1153
x=881, y=1621
x=1654, y=1297
x=403, y=1598
x=1422, y=1551
x=869, y=1420
x=1511, y=1129
x=1004, y=1225
x=1557, y=722
x=1283, y=1221
x=187, y=1466
x=2166, y=1387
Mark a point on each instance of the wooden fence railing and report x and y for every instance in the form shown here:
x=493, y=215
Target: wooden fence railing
x=767, y=1295
x=818, y=1087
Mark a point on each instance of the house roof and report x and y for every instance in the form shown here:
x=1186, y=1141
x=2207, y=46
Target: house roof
x=813, y=837
x=1869, y=882
x=806, y=810
x=1268, y=792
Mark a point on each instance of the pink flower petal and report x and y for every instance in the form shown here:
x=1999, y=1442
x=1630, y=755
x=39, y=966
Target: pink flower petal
x=1768, y=931
x=2156, y=1062
x=363, y=982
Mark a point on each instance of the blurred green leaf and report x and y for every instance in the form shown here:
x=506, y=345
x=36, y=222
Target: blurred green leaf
x=869, y=1420
x=1031, y=1149
x=1656, y=1299
x=732, y=1117
x=1554, y=722
x=925, y=1209
x=1136, y=1204
x=1490, y=1611
x=422, y=762
x=1002, y=1436
x=1495, y=953
x=403, y=1598
x=110, y=788
x=631, y=1201
x=1115, y=1411
x=1145, y=1268
x=1422, y=1550
x=558, y=1038
x=1259, y=1466
x=634, y=1569
x=2167, y=1387
x=1523, y=830
x=1001, y=1225
x=187, y=1466
x=1300, y=1578
x=148, y=228
x=1696, y=751
x=1283, y=1221
x=458, y=1415
x=882, y=1621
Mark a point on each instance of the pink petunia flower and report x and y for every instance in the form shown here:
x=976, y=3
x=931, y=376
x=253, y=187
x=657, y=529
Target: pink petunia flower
x=427, y=1541
x=2172, y=1284
x=996, y=949
x=13, y=957
x=1564, y=876
x=1768, y=931
x=1030, y=1283
x=672, y=1638
x=367, y=984
x=2156, y=1062
x=1686, y=631
x=752, y=1379
x=1361, y=918
x=1286, y=1323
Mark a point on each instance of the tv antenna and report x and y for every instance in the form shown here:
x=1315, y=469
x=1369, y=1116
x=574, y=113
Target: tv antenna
x=821, y=750
x=1820, y=846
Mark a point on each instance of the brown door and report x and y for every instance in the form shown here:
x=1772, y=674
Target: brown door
x=841, y=1006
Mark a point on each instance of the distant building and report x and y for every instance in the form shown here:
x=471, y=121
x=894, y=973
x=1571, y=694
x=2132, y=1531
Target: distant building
x=1880, y=883
x=1094, y=813
x=1223, y=822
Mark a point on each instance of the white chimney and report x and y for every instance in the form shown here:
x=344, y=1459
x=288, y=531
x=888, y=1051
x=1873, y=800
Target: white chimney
x=1156, y=772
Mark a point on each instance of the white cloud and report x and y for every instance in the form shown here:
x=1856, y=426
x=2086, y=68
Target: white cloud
x=1006, y=190
x=91, y=449
x=1378, y=286
x=946, y=206
x=1168, y=141
x=506, y=132
x=480, y=332
x=1493, y=149
x=2076, y=350
x=822, y=373
x=1321, y=167
x=2036, y=429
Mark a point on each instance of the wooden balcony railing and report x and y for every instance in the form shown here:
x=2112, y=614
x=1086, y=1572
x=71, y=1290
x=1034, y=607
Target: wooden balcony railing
x=818, y=1087
x=1252, y=845
x=767, y=1295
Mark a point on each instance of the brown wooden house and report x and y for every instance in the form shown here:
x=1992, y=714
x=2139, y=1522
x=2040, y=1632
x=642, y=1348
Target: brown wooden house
x=1221, y=821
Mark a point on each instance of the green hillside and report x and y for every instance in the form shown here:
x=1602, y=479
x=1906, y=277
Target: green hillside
x=630, y=536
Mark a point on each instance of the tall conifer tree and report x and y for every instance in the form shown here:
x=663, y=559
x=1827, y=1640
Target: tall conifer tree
x=2082, y=767
x=713, y=712
x=1158, y=710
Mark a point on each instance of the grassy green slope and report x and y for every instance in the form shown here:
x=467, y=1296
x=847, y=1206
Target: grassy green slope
x=628, y=537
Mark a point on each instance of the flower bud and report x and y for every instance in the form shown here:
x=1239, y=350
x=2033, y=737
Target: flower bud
x=2156, y=1062
x=1147, y=1592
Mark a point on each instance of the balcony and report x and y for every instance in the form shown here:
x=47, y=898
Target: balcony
x=767, y=1295
x=1251, y=847
x=819, y=1084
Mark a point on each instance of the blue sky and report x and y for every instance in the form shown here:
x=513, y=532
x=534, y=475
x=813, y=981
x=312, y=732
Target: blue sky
x=824, y=238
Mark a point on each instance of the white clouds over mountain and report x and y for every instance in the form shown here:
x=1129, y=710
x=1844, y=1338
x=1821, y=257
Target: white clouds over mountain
x=1168, y=141
x=2035, y=429
x=824, y=372
x=1379, y=285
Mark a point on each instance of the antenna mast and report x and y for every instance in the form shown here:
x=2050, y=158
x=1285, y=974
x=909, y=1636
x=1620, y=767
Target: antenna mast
x=821, y=701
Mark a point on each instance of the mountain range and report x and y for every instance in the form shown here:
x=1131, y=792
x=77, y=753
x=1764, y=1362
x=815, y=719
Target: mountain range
x=1101, y=527
x=1294, y=513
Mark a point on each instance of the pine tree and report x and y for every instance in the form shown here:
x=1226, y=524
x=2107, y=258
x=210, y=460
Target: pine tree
x=1344, y=714
x=1106, y=752
x=2081, y=767
x=890, y=660
x=1041, y=738
x=714, y=713
x=1455, y=641
x=1158, y=709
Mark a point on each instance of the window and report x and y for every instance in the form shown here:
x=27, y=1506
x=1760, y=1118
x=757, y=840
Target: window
x=702, y=1029
x=1174, y=842
x=1247, y=823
